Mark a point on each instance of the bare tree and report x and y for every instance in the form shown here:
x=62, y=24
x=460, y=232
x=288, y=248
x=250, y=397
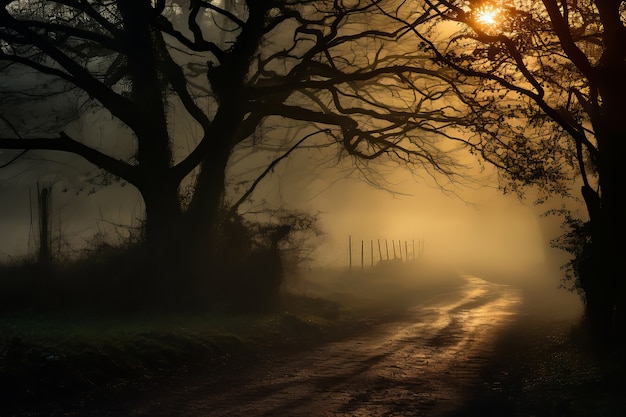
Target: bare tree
x=108, y=54
x=228, y=69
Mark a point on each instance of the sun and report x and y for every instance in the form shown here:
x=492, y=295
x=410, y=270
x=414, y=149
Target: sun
x=487, y=15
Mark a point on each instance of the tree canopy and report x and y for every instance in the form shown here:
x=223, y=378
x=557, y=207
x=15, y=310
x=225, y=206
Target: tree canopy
x=143, y=68
x=229, y=68
x=544, y=83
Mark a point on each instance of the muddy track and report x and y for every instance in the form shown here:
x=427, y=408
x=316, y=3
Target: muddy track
x=422, y=363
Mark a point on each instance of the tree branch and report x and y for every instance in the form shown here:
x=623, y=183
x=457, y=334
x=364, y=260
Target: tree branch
x=561, y=28
x=65, y=143
x=268, y=169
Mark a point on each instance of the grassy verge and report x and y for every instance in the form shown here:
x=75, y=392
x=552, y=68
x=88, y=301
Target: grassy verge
x=58, y=361
x=54, y=359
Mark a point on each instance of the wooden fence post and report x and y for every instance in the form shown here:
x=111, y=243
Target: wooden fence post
x=361, y=255
x=350, y=252
x=44, y=196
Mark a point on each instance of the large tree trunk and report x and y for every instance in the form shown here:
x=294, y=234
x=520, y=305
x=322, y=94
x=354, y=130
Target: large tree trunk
x=604, y=283
x=605, y=286
x=203, y=220
x=163, y=212
x=154, y=153
x=159, y=274
x=604, y=279
x=203, y=216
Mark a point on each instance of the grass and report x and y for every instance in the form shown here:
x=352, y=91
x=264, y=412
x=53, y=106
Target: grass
x=45, y=359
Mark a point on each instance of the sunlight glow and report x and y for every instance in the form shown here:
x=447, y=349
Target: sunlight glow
x=488, y=15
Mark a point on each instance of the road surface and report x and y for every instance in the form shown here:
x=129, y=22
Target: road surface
x=419, y=364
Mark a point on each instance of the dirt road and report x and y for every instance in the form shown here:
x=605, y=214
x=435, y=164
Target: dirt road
x=419, y=364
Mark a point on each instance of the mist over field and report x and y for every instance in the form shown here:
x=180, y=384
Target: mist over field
x=461, y=228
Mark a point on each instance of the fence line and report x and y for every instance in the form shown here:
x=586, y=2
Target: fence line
x=416, y=252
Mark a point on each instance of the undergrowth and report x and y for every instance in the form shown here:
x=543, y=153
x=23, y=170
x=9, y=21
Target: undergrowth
x=50, y=360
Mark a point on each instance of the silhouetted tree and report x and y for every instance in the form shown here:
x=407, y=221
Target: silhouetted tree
x=309, y=62
x=544, y=84
x=110, y=54
x=226, y=70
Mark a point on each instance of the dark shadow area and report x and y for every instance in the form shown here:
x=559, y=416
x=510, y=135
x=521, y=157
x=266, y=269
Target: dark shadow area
x=548, y=367
x=115, y=316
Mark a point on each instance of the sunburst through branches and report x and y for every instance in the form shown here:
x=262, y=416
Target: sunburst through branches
x=488, y=16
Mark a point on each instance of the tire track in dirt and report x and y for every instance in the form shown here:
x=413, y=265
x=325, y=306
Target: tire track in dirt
x=417, y=365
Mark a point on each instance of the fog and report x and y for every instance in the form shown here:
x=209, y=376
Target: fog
x=464, y=228
x=464, y=225
x=468, y=227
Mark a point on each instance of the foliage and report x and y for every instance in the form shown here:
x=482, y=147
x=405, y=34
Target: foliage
x=577, y=242
x=253, y=258
x=543, y=86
